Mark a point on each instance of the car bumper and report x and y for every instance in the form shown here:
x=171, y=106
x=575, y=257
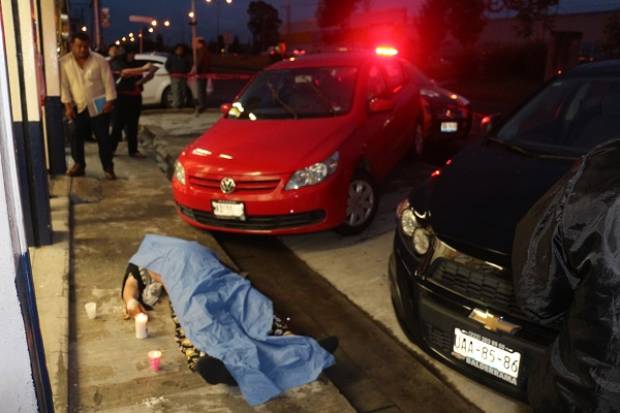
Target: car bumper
x=434, y=314
x=312, y=209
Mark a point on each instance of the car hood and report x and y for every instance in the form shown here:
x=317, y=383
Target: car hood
x=476, y=202
x=267, y=146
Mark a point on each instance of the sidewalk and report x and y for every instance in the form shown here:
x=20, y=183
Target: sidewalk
x=98, y=365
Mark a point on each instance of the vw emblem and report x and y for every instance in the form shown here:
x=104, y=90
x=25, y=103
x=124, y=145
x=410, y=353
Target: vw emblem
x=228, y=185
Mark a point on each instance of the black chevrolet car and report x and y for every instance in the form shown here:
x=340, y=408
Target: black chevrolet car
x=450, y=271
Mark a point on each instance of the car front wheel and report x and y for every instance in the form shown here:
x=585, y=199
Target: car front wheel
x=362, y=203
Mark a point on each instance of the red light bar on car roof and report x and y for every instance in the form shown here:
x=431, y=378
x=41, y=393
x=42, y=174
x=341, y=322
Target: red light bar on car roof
x=387, y=51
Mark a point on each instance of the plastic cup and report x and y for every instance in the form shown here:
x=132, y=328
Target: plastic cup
x=91, y=310
x=155, y=359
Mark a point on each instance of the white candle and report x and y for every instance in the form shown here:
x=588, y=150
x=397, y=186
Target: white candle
x=141, y=330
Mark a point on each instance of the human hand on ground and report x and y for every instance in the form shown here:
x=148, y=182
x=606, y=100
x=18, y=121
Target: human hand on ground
x=132, y=309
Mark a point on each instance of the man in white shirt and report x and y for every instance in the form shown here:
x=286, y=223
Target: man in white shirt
x=88, y=93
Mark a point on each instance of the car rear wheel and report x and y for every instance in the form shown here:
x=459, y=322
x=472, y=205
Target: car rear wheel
x=362, y=202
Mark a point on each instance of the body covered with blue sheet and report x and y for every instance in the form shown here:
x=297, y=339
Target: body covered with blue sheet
x=224, y=316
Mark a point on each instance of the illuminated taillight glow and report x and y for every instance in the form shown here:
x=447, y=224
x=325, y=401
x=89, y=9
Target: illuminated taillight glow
x=386, y=51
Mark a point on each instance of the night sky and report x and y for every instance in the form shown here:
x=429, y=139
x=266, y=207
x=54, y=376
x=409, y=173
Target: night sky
x=233, y=18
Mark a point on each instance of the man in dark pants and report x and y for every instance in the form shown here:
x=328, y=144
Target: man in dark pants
x=88, y=93
x=202, y=69
x=129, y=75
x=178, y=66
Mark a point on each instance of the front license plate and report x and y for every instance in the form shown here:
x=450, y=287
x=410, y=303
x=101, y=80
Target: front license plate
x=228, y=210
x=487, y=355
x=449, y=127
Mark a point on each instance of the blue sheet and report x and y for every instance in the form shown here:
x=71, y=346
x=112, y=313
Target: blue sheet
x=224, y=316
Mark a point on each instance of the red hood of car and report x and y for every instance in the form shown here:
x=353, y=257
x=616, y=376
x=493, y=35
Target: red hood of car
x=266, y=146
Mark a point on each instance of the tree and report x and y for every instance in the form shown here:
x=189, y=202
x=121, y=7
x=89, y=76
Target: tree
x=331, y=13
x=530, y=12
x=235, y=47
x=463, y=19
x=431, y=25
x=466, y=20
x=264, y=24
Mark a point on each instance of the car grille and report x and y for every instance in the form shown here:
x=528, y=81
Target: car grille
x=486, y=288
x=242, y=185
x=263, y=222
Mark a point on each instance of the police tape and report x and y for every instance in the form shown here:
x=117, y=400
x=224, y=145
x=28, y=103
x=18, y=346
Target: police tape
x=213, y=76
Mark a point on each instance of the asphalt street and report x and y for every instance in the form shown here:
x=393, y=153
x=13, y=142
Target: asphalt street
x=331, y=284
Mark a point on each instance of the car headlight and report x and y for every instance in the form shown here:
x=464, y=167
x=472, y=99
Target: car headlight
x=179, y=172
x=413, y=226
x=314, y=174
x=408, y=222
x=421, y=241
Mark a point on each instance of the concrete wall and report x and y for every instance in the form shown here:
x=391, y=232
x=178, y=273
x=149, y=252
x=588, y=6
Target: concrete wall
x=17, y=390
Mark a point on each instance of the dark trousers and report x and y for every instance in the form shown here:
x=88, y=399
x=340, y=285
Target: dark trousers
x=201, y=85
x=125, y=117
x=82, y=127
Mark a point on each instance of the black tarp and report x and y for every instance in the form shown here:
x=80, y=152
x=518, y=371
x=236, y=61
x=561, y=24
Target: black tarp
x=566, y=263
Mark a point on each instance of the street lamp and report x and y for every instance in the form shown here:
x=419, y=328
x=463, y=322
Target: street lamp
x=124, y=38
x=151, y=30
x=167, y=23
x=154, y=23
x=84, y=28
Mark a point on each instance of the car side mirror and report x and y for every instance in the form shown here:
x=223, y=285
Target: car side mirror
x=489, y=122
x=225, y=108
x=380, y=105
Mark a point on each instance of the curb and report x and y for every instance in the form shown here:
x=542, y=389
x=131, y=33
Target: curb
x=51, y=269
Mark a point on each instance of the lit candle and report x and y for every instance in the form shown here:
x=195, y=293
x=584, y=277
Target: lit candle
x=141, y=330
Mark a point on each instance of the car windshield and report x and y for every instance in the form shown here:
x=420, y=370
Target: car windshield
x=570, y=115
x=297, y=93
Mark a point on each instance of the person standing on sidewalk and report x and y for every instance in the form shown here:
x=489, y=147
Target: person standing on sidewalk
x=178, y=66
x=129, y=74
x=202, y=69
x=88, y=94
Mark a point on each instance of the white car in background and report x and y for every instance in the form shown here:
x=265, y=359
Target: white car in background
x=157, y=90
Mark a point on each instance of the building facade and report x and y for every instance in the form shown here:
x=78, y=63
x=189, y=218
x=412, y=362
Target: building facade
x=31, y=152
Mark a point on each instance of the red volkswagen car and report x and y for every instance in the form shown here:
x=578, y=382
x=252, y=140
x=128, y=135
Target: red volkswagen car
x=303, y=148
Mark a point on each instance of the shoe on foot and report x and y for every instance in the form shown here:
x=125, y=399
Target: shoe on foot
x=329, y=344
x=213, y=371
x=76, y=170
x=109, y=174
x=138, y=155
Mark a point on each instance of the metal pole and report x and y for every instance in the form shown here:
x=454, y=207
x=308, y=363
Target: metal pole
x=217, y=12
x=97, y=24
x=289, y=10
x=194, y=22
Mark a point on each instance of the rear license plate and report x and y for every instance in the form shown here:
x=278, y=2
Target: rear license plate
x=449, y=127
x=487, y=355
x=228, y=210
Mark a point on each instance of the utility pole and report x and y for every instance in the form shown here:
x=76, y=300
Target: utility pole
x=97, y=24
x=193, y=22
x=289, y=17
